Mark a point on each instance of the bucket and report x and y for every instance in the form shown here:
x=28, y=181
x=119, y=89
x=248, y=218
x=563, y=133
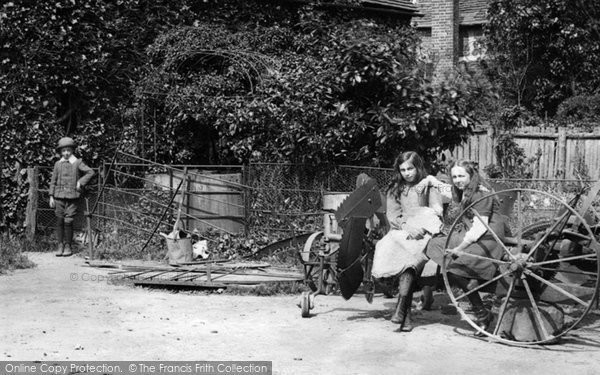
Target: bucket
x=179, y=248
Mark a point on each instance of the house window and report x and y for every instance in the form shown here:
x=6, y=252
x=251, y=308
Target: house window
x=471, y=45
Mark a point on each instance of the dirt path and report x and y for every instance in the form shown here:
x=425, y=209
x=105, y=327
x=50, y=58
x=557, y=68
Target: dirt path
x=47, y=316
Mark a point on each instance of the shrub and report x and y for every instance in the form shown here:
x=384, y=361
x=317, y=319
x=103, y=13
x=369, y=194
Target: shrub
x=580, y=109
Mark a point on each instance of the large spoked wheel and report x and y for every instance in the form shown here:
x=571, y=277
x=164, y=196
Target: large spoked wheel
x=310, y=259
x=547, y=277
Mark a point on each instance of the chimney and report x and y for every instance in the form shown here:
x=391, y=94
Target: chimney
x=444, y=36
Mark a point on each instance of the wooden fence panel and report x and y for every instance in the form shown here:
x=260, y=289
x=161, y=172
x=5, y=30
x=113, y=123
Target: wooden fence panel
x=211, y=200
x=558, y=152
x=217, y=202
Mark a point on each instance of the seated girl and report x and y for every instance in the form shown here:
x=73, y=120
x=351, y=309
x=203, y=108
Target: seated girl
x=465, y=271
x=414, y=218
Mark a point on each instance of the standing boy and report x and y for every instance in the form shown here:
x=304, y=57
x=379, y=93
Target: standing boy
x=69, y=176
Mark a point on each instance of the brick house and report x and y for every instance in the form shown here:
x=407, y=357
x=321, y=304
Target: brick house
x=451, y=31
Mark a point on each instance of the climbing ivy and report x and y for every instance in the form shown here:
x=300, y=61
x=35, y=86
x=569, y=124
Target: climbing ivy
x=310, y=86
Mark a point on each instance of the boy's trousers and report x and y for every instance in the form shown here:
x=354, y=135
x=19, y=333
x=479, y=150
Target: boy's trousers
x=65, y=213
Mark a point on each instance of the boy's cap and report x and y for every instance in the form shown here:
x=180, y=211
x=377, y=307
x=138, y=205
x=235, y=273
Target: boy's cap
x=65, y=142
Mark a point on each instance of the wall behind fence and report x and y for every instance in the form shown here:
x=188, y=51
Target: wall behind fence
x=558, y=152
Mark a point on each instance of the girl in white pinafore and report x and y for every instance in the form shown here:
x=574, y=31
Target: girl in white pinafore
x=414, y=216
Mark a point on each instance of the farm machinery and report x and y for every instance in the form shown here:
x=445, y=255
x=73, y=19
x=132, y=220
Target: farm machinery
x=342, y=254
x=547, y=282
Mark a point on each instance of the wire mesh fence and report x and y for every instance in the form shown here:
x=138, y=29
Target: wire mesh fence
x=141, y=199
x=288, y=197
x=134, y=200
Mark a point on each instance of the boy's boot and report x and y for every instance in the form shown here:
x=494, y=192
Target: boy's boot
x=67, y=252
x=59, y=250
x=68, y=238
x=60, y=235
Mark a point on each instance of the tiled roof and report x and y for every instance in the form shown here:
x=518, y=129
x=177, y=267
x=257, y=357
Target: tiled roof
x=424, y=7
x=400, y=7
x=471, y=12
x=393, y=4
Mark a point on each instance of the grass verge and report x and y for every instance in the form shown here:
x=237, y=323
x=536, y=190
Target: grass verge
x=266, y=289
x=11, y=254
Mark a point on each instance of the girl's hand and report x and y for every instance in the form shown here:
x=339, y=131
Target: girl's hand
x=78, y=185
x=424, y=184
x=52, y=203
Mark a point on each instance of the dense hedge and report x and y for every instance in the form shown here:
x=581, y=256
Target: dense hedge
x=215, y=81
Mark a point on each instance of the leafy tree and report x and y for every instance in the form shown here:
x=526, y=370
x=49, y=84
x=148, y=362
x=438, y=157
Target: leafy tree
x=580, y=109
x=545, y=51
x=213, y=81
x=511, y=160
x=66, y=68
x=309, y=86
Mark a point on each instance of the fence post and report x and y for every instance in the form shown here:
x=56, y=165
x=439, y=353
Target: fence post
x=186, y=196
x=32, y=202
x=102, y=180
x=561, y=162
x=246, y=197
x=90, y=232
x=491, y=144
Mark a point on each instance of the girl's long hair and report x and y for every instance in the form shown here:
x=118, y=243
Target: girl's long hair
x=465, y=197
x=398, y=184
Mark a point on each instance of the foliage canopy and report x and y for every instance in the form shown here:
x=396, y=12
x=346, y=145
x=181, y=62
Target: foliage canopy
x=212, y=82
x=545, y=51
x=311, y=87
x=67, y=67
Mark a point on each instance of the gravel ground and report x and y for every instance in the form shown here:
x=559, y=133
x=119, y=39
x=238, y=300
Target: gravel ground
x=64, y=310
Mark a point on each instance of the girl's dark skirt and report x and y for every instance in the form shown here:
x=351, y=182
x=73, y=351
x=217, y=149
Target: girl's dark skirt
x=465, y=265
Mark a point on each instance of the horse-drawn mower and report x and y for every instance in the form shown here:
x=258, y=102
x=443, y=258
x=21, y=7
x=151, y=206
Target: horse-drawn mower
x=547, y=281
